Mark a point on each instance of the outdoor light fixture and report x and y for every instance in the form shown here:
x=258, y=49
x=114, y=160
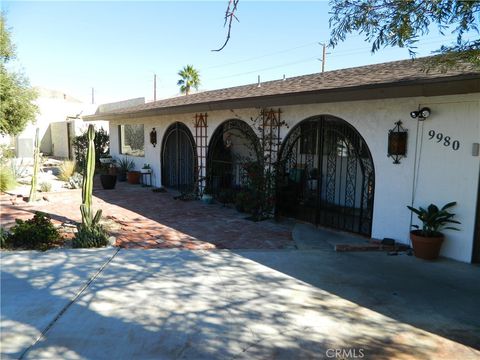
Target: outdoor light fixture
x=153, y=137
x=421, y=114
x=397, y=142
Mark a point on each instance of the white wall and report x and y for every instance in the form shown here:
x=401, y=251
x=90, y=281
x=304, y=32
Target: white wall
x=444, y=174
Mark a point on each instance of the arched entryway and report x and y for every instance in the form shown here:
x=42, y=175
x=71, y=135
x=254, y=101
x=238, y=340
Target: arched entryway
x=326, y=175
x=232, y=145
x=179, y=158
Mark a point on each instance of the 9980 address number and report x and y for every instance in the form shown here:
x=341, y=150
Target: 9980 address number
x=445, y=140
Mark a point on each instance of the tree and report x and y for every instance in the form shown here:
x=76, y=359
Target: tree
x=401, y=23
x=190, y=77
x=16, y=95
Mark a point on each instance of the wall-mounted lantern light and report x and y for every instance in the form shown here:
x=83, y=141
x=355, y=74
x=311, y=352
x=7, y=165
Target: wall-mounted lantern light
x=397, y=142
x=421, y=114
x=153, y=137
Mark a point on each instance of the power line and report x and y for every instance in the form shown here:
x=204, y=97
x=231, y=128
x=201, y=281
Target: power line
x=261, y=56
x=265, y=69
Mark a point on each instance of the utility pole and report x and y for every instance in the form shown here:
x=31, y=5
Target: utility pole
x=324, y=55
x=154, y=87
x=93, y=95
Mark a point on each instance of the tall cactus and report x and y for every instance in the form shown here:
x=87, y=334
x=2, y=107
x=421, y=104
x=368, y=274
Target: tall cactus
x=36, y=165
x=87, y=187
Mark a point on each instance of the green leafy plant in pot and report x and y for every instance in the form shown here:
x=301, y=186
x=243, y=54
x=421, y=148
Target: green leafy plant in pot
x=124, y=166
x=428, y=239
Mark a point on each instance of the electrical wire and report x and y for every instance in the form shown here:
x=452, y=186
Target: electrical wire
x=266, y=69
x=261, y=56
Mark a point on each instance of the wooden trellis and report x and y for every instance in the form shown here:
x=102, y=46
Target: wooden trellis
x=201, y=139
x=270, y=132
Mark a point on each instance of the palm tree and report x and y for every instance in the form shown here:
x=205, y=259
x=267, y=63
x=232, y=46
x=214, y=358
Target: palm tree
x=190, y=77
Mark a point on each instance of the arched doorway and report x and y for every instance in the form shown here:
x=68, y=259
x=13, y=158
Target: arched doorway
x=232, y=144
x=179, y=158
x=326, y=175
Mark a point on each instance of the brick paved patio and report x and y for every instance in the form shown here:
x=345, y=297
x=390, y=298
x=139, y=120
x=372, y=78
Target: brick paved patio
x=141, y=218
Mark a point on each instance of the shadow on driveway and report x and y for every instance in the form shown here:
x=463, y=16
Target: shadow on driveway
x=170, y=304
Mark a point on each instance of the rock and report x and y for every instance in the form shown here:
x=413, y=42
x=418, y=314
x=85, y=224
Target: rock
x=111, y=240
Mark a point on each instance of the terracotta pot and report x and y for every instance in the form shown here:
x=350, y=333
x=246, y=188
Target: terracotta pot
x=133, y=177
x=108, y=181
x=427, y=248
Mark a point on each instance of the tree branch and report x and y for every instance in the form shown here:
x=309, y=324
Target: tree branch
x=229, y=16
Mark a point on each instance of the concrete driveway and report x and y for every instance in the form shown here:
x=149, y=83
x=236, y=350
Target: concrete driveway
x=277, y=304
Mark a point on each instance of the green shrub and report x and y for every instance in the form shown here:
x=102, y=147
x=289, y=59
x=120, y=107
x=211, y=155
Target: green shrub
x=3, y=238
x=80, y=145
x=37, y=233
x=92, y=236
x=6, y=152
x=45, y=186
x=67, y=169
x=7, y=179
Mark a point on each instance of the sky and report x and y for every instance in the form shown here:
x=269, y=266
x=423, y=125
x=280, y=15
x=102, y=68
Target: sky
x=116, y=47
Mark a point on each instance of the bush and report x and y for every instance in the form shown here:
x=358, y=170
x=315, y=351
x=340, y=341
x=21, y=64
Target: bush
x=7, y=179
x=90, y=236
x=3, y=238
x=37, y=233
x=45, y=186
x=66, y=169
x=80, y=145
x=6, y=153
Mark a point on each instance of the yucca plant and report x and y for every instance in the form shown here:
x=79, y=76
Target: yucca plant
x=434, y=220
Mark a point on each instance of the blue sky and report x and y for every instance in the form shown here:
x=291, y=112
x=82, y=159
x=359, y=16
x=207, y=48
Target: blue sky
x=116, y=47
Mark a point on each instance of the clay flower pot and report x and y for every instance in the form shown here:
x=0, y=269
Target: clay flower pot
x=427, y=248
x=133, y=177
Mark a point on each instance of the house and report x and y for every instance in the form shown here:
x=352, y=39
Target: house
x=58, y=121
x=334, y=148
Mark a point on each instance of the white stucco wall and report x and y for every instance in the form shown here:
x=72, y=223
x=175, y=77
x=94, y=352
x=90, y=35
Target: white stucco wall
x=443, y=174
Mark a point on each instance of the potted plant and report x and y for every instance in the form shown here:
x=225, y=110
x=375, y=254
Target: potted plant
x=146, y=169
x=133, y=176
x=107, y=177
x=124, y=166
x=428, y=240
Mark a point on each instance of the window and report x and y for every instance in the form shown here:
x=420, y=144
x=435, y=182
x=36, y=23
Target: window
x=132, y=140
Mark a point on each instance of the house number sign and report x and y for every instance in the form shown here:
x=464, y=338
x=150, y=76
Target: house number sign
x=444, y=140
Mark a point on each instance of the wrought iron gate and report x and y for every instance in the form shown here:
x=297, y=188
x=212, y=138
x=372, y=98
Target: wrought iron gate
x=326, y=175
x=178, y=158
x=225, y=170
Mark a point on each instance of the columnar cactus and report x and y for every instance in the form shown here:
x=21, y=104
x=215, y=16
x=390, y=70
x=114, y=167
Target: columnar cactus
x=87, y=188
x=36, y=165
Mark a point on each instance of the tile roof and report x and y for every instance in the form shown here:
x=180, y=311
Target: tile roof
x=390, y=73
